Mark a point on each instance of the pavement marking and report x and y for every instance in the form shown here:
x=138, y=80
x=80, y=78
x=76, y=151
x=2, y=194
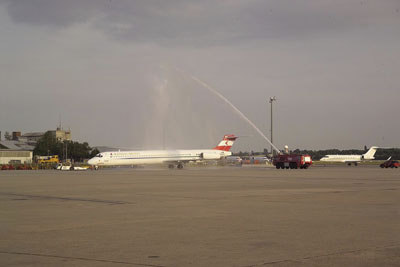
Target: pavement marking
x=325, y=255
x=79, y=258
x=66, y=198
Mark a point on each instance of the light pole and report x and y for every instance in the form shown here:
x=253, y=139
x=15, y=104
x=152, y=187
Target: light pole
x=271, y=100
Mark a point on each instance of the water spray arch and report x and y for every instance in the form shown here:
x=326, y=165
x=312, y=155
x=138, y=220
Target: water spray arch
x=218, y=94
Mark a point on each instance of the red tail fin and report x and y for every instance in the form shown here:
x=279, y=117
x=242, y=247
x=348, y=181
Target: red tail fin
x=226, y=143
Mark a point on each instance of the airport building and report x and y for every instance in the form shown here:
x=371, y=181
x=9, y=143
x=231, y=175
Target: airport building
x=30, y=137
x=9, y=156
x=33, y=137
x=15, y=152
x=61, y=135
x=18, y=148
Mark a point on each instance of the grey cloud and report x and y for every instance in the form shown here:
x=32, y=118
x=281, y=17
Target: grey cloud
x=52, y=13
x=205, y=22
x=110, y=96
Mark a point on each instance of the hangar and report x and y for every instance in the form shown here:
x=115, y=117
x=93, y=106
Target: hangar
x=15, y=152
x=8, y=156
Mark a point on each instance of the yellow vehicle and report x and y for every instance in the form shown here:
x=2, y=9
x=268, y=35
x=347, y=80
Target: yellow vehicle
x=47, y=159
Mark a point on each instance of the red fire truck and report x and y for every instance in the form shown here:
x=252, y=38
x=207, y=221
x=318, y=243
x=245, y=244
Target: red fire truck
x=292, y=161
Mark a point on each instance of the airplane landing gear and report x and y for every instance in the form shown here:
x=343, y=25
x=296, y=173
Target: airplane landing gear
x=171, y=166
x=180, y=166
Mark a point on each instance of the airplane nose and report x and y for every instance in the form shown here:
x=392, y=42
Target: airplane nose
x=91, y=162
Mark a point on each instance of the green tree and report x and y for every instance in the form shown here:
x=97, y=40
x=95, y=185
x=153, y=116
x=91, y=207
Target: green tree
x=49, y=145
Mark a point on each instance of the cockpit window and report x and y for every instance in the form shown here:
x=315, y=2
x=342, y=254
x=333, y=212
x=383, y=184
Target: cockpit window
x=99, y=155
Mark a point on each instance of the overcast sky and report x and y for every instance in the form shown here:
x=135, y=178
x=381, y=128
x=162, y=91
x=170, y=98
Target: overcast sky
x=109, y=69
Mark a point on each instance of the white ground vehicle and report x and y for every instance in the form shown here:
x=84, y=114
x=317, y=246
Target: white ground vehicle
x=68, y=167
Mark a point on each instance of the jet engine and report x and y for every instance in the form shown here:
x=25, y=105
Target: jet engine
x=206, y=155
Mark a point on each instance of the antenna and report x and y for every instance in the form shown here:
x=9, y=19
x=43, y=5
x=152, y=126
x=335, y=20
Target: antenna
x=271, y=100
x=59, y=120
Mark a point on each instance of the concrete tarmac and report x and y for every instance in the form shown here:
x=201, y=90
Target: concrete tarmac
x=230, y=216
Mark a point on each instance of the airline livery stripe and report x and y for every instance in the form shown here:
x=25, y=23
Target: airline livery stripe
x=169, y=157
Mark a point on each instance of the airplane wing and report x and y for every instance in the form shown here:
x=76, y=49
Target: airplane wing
x=178, y=161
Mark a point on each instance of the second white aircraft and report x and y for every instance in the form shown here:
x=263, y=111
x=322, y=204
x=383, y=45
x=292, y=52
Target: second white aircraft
x=349, y=159
x=170, y=157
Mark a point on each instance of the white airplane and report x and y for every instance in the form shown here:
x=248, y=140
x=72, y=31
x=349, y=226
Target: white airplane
x=171, y=157
x=349, y=159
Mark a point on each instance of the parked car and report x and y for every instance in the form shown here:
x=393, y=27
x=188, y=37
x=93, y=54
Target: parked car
x=390, y=164
x=7, y=167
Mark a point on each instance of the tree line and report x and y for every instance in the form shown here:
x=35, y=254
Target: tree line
x=49, y=145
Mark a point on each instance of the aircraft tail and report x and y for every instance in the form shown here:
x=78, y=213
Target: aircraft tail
x=226, y=143
x=370, y=153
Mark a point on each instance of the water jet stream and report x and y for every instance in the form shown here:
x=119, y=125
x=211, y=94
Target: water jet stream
x=215, y=92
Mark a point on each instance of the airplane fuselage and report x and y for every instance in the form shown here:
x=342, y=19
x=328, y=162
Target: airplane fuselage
x=369, y=155
x=144, y=157
x=342, y=158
